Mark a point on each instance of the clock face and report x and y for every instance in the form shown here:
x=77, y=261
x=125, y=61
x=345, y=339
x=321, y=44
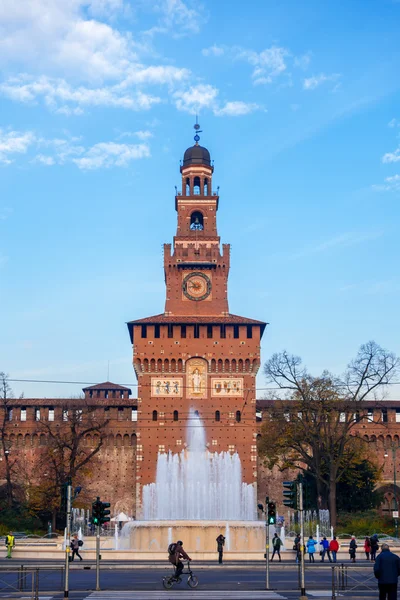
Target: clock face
x=196, y=286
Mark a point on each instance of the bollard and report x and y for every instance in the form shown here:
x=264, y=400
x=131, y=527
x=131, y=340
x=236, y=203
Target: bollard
x=333, y=584
x=37, y=585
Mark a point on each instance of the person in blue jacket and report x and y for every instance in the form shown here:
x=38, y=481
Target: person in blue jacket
x=325, y=549
x=311, y=548
x=387, y=571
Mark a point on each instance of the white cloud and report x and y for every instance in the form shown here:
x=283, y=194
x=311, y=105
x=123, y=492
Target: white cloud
x=196, y=98
x=154, y=75
x=391, y=184
x=213, y=51
x=302, y=62
x=394, y=123
x=14, y=142
x=58, y=35
x=45, y=160
x=54, y=91
x=268, y=64
x=59, y=151
x=111, y=154
x=311, y=83
x=236, y=109
x=391, y=157
x=178, y=16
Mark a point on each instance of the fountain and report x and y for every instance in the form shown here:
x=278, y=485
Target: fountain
x=196, y=496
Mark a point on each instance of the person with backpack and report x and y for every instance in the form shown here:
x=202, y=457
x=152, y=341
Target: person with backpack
x=175, y=553
x=353, y=548
x=10, y=543
x=276, y=544
x=387, y=571
x=374, y=547
x=75, y=545
x=220, y=546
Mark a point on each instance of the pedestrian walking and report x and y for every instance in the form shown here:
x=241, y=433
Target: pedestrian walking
x=311, y=548
x=220, y=546
x=297, y=548
x=374, y=547
x=10, y=543
x=353, y=548
x=325, y=549
x=334, y=548
x=75, y=545
x=387, y=571
x=276, y=544
x=367, y=547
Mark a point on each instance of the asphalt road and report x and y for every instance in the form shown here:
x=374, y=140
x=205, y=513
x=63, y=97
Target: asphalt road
x=228, y=581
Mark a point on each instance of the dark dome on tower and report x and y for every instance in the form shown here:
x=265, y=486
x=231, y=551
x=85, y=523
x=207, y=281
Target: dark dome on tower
x=196, y=155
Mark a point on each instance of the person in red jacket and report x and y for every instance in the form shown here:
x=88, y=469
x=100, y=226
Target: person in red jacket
x=367, y=547
x=334, y=548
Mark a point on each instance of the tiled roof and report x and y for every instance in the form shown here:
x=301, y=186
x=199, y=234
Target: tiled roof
x=107, y=386
x=228, y=319
x=72, y=402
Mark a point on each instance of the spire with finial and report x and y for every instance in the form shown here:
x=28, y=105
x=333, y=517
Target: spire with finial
x=197, y=129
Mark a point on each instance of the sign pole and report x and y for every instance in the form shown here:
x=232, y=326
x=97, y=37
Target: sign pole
x=67, y=541
x=266, y=544
x=302, y=566
x=97, y=558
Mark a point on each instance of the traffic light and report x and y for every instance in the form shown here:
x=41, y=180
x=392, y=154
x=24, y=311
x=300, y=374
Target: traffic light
x=104, y=518
x=271, y=513
x=96, y=511
x=290, y=494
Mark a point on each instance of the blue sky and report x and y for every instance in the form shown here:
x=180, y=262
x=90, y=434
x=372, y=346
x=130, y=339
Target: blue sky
x=299, y=103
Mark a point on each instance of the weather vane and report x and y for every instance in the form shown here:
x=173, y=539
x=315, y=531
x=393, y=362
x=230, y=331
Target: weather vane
x=197, y=129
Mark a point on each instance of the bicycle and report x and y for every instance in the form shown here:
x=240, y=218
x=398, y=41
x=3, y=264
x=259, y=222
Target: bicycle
x=192, y=580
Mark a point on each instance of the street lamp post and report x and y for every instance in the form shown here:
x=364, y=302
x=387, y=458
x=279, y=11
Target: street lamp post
x=394, y=449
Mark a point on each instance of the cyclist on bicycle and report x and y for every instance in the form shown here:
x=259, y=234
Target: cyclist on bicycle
x=175, y=553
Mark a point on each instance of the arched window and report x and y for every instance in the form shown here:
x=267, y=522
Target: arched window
x=155, y=416
x=206, y=187
x=187, y=191
x=238, y=416
x=217, y=415
x=196, y=221
x=196, y=186
x=176, y=415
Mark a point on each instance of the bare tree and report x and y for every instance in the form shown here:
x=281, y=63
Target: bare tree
x=67, y=454
x=314, y=417
x=6, y=396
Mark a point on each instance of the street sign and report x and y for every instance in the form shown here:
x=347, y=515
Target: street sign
x=395, y=514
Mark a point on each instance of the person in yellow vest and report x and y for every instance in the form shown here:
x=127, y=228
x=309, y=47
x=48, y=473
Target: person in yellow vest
x=10, y=543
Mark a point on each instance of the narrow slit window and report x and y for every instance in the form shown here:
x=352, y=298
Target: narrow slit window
x=144, y=331
x=176, y=415
x=183, y=331
x=238, y=416
x=249, y=331
x=155, y=415
x=223, y=331
x=170, y=330
x=236, y=331
x=217, y=415
x=156, y=331
x=197, y=331
x=209, y=331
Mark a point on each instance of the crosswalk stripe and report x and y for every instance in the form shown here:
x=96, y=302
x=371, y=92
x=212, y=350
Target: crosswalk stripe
x=187, y=595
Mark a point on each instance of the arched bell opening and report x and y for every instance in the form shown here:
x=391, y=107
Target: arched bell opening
x=196, y=221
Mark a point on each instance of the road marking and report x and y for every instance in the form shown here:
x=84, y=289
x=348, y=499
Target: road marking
x=187, y=595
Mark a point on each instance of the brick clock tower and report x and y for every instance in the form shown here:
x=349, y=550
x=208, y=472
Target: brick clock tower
x=196, y=356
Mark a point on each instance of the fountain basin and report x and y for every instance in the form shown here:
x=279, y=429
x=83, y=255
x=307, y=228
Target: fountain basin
x=199, y=537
